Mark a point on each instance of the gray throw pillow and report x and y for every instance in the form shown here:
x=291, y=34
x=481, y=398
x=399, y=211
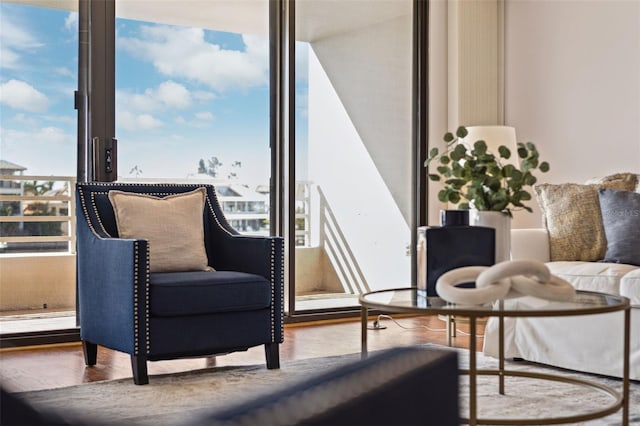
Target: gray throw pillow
x=621, y=222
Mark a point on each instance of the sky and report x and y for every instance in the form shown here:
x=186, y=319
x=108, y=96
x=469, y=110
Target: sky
x=182, y=94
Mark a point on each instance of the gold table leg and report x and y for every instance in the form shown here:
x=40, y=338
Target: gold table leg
x=501, y=351
x=473, y=410
x=364, y=316
x=625, y=382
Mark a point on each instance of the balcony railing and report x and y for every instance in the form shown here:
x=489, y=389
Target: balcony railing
x=60, y=208
x=25, y=202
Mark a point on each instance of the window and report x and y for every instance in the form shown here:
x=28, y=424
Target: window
x=38, y=167
x=192, y=105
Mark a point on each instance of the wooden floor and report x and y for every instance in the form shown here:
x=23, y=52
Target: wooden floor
x=57, y=366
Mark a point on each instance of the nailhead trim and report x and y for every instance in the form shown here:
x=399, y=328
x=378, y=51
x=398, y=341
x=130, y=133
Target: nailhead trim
x=95, y=210
x=85, y=211
x=215, y=216
x=147, y=304
x=281, y=291
x=273, y=290
x=136, y=325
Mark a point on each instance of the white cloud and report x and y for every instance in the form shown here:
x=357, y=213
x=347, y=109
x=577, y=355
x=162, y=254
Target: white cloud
x=54, y=135
x=205, y=116
x=168, y=95
x=64, y=71
x=130, y=121
x=184, y=52
x=173, y=95
x=26, y=120
x=10, y=59
x=20, y=95
x=136, y=110
x=201, y=95
x=15, y=36
x=44, y=151
x=71, y=22
x=136, y=101
x=14, y=39
x=71, y=120
x=147, y=121
x=43, y=136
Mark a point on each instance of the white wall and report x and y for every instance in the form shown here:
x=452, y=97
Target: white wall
x=360, y=144
x=438, y=92
x=465, y=72
x=572, y=85
x=571, y=82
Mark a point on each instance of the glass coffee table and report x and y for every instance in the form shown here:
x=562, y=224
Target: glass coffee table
x=410, y=300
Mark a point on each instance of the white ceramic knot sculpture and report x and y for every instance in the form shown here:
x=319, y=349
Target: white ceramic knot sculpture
x=504, y=280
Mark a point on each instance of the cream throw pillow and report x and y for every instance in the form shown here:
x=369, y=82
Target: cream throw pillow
x=173, y=225
x=571, y=213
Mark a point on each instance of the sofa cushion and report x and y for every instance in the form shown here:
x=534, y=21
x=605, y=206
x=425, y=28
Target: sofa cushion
x=630, y=287
x=621, y=222
x=196, y=293
x=572, y=217
x=173, y=225
x=592, y=276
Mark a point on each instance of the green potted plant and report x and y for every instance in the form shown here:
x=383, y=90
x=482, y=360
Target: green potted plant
x=476, y=178
x=484, y=182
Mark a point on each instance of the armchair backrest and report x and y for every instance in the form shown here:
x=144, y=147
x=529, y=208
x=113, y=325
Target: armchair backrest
x=94, y=206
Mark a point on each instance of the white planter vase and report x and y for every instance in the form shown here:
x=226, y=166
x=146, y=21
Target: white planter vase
x=501, y=222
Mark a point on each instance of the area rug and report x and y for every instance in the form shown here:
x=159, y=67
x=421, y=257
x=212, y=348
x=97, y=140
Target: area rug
x=178, y=399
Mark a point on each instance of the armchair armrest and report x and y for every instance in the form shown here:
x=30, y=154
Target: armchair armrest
x=247, y=253
x=112, y=286
x=258, y=255
x=531, y=244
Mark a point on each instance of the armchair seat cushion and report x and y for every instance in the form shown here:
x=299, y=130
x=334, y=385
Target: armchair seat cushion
x=175, y=294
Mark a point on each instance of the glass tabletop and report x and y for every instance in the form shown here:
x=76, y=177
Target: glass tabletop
x=411, y=299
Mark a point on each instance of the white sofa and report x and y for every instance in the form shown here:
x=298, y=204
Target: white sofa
x=592, y=343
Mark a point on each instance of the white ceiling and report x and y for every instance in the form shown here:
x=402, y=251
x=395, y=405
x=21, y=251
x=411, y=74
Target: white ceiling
x=316, y=19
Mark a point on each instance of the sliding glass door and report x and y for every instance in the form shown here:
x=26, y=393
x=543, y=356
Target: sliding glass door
x=192, y=104
x=353, y=144
x=39, y=73
x=192, y=101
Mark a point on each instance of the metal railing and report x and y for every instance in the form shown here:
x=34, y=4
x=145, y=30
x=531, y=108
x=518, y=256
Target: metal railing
x=12, y=190
x=55, y=205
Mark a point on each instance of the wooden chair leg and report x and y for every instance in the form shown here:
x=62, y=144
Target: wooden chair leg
x=90, y=351
x=272, y=352
x=139, y=367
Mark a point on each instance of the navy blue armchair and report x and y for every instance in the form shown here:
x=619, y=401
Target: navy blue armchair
x=166, y=315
